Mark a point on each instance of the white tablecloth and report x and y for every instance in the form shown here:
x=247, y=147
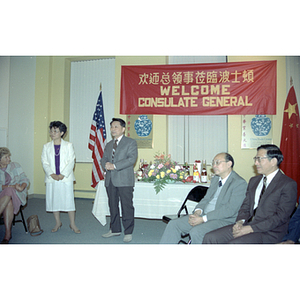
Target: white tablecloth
x=146, y=202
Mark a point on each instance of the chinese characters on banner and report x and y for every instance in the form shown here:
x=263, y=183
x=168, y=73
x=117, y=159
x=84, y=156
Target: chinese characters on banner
x=256, y=130
x=240, y=88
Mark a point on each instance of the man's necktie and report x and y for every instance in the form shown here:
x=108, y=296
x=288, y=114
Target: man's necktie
x=114, y=150
x=263, y=189
x=261, y=193
x=220, y=183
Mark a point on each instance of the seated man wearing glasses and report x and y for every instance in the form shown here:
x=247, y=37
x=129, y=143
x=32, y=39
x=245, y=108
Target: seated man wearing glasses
x=265, y=213
x=218, y=208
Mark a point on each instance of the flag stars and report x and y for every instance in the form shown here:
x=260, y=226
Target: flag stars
x=291, y=109
x=292, y=125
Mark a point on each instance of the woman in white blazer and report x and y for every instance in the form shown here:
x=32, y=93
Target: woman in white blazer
x=58, y=159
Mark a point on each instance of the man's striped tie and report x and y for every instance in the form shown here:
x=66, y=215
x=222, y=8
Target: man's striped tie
x=114, y=150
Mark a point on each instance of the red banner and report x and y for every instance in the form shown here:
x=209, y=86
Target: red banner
x=238, y=88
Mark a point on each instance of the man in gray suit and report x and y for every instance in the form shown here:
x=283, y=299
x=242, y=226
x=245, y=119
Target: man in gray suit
x=218, y=208
x=265, y=213
x=118, y=160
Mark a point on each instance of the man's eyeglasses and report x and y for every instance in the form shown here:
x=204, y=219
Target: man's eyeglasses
x=217, y=162
x=257, y=158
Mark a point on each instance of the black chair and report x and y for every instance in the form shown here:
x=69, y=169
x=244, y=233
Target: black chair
x=16, y=221
x=195, y=194
x=20, y=220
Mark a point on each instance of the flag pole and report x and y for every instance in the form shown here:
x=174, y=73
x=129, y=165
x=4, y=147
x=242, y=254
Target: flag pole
x=100, y=86
x=291, y=82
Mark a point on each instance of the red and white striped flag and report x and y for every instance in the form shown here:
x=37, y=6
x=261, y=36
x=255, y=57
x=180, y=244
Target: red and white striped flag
x=97, y=141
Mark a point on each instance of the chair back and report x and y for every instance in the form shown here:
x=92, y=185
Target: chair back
x=197, y=193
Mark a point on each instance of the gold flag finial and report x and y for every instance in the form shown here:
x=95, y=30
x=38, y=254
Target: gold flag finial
x=291, y=81
x=100, y=86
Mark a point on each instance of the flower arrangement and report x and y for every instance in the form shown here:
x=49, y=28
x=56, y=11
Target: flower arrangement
x=163, y=171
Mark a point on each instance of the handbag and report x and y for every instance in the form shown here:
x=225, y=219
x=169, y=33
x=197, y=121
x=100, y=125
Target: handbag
x=33, y=225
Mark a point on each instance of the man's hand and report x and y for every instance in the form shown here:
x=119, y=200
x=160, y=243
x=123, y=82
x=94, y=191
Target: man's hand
x=109, y=166
x=240, y=230
x=237, y=226
x=195, y=219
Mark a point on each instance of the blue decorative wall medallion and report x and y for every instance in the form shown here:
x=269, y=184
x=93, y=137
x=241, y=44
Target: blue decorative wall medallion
x=143, y=126
x=261, y=125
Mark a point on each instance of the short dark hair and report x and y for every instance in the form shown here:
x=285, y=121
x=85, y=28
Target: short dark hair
x=272, y=152
x=61, y=126
x=228, y=158
x=121, y=121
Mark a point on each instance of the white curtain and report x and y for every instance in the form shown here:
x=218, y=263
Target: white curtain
x=193, y=137
x=86, y=77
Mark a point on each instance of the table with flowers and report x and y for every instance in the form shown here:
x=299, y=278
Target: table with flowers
x=146, y=202
x=163, y=194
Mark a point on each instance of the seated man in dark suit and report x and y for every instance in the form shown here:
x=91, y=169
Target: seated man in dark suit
x=293, y=235
x=265, y=213
x=218, y=208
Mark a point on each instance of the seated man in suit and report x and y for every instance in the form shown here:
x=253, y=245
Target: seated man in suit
x=218, y=208
x=265, y=213
x=293, y=235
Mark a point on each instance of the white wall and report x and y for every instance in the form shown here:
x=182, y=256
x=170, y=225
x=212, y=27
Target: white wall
x=21, y=112
x=4, y=96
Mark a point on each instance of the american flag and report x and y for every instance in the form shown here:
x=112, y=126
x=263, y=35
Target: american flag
x=97, y=141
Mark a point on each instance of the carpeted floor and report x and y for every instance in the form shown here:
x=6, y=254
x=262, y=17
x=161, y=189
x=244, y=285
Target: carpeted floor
x=145, y=232
x=86, y=265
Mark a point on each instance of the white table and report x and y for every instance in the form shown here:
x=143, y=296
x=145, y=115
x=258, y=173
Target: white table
x=146, y=202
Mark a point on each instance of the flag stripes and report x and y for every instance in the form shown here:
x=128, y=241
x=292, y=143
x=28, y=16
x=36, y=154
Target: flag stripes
x=97, y=141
